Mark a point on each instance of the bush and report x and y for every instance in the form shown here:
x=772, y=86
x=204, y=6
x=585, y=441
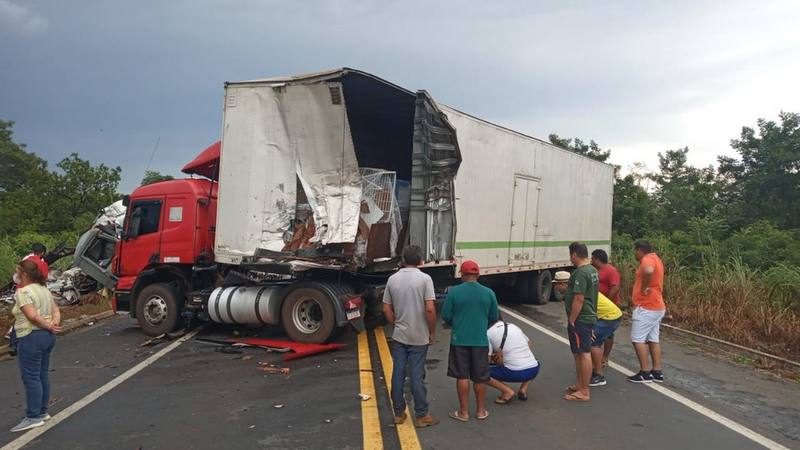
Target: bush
x=762, y=245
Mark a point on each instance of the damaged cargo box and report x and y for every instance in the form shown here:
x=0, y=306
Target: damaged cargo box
x=337, y=169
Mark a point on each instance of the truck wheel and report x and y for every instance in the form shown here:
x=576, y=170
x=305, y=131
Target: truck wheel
x=541, y=287
x=157, y=309
x=308, y=316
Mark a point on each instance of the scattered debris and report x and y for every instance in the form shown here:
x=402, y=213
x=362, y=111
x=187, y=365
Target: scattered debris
x=278, y=406
x=298, y=349
x=364, y=397
x=247, y=357
x=252, y=426
x=156, y=340
x=230, y=349
x=328, y=420
x=273, y=369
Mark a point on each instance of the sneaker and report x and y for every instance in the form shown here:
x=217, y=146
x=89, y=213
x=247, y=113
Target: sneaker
x=27, y=423
x=597, y=380
x=45, y=417
x=658, y=377
x=641, y=377
x=426, y=421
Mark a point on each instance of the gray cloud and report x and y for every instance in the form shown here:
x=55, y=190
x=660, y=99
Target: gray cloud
x=19, y=18
x=110, y=78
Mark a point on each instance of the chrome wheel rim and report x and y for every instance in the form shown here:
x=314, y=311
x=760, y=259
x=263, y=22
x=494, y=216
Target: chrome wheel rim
x=307, y=315
x=155, y=310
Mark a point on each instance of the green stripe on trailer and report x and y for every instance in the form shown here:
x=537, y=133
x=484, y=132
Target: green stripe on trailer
x=481, y=245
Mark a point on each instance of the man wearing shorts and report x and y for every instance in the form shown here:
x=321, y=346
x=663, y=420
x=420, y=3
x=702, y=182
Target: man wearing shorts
x=469, y=309
x=580, y=302
x=609, y=286
x=648, y=311
x=519, y=365
x=609, y=317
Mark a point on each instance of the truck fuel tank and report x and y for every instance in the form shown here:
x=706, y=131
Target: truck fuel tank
x=246, y=305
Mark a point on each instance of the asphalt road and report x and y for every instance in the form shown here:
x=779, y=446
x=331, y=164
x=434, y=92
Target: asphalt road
x=196, y=397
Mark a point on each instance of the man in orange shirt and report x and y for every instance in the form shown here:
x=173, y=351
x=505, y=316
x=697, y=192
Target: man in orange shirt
x=648, y=311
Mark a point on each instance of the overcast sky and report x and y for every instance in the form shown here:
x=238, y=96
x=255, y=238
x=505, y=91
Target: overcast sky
x=115, y=80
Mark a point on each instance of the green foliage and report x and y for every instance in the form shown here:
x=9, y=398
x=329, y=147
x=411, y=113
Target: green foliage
x=51, y=207
x=684, y=192
x=154, y=176
x=762, y=245
x=765, y=183
x=592, y=150
x=634, y=210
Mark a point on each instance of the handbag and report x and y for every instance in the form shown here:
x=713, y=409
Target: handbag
x=497, y=356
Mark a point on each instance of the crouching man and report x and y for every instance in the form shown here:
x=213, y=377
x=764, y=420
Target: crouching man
x=512, y=361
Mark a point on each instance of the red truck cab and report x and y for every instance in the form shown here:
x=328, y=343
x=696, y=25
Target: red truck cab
x=168, y=233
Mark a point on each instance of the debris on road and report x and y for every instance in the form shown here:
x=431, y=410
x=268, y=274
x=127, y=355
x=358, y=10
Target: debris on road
x=278, y=406
x=300, y=350
x=154, y=341
x=364, y=397
x=273, y=369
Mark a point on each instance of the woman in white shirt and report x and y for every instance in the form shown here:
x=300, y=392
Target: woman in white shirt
x=519, y=365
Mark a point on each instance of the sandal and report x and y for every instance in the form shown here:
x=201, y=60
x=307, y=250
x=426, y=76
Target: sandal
x=523, y=397
x=455, y=415
x=571, y=389
x=575, y=398
x=483, y=417
x=504, y=401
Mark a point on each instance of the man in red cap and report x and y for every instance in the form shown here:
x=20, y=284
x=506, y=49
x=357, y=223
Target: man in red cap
x=469, y=309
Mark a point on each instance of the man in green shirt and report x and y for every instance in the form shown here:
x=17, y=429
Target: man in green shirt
x=580, y=303
x=469, y=309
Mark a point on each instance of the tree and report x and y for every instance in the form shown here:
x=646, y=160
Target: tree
x=18, y=168
x=634, y=210
x=683, y=192
x=592, y=150
x=765, y=183
x=153, y=176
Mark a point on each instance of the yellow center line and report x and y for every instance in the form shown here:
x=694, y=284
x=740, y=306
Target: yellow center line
x=405, y=431
x=370, y=422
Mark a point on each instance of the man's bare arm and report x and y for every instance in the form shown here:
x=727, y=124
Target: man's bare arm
x=613, y=292
x=577, y=305
x=430, y=317
x=647, y=276
x=388, y=312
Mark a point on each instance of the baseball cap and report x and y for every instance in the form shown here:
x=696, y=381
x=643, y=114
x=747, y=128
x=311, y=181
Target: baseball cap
x=561, y=276
x=470, y=267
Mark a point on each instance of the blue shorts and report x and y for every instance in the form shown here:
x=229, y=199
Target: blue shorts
x=604, y=330
x=503, y=373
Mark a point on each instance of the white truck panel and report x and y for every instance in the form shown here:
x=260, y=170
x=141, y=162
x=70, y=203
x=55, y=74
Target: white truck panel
x=274, y=134
x=521, y=201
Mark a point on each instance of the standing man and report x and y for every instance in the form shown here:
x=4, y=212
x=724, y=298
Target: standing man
x=648, y=311
x=608, y=286
x=469, y=309
x=580, y=303
x=408, y=304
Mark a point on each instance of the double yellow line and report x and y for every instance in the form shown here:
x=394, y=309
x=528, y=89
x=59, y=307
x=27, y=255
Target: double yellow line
x=371, y=425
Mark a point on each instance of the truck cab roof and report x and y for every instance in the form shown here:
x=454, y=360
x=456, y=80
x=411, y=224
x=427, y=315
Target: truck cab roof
x=193, y=186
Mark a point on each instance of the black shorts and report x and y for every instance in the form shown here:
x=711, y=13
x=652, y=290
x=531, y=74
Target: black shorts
x=469, y=362
x=580, y=337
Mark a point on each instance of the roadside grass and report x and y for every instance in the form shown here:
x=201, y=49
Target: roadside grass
x=729, y=301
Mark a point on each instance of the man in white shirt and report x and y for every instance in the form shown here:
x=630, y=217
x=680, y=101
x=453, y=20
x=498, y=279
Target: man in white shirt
x=519, y=365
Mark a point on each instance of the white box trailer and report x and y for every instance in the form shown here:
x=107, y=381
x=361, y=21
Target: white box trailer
x=336, y=171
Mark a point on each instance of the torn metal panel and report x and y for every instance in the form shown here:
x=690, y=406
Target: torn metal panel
x=316, y=118
x=257, y=174
x=436, y=159
x=273, y=136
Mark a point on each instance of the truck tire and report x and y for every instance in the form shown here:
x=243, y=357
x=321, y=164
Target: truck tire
x=308, y=316
x=157, y=309
x=541, y=287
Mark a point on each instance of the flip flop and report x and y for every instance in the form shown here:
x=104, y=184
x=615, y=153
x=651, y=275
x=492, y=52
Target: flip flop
x=483, y=417
x=454, y=415
x=503, y=401
x=522, y=397
x=570, y=389
x=574, y=398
